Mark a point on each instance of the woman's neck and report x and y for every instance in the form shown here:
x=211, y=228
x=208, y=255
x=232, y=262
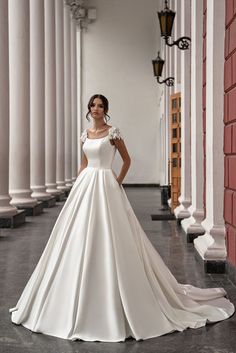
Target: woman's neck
x=98, y=125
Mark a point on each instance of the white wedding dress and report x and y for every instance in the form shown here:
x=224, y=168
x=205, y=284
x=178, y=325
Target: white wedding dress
x=99, y=277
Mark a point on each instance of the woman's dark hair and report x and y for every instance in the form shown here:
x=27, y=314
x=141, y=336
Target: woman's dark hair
x=104, y=102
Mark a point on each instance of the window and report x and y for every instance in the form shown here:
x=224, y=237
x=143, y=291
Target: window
x=174, y=133
x=175, y=148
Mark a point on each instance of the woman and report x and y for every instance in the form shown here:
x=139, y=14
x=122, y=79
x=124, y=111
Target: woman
x=99, y=278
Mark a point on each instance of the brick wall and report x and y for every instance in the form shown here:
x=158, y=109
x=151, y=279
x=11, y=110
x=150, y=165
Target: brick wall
x=230, y=130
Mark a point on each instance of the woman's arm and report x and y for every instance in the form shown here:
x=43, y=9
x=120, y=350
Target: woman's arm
x=120, y=145
x=84, y=163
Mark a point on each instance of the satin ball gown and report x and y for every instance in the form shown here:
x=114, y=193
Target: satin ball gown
x=99, y=277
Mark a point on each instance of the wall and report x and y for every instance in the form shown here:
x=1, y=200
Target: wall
x=230, y=130
x=117, y=50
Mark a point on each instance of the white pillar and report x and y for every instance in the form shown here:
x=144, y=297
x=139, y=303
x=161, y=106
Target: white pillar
x=171, y=59
x=19, y=168
x=67, y=94
x=177, y=51
x=37, y=101
x=5, y=207
x=79, y=37
x=50, y=97
x=73, y=102
x=162, y=136
x=167, y=120
x=60, y=154
x=211, y=246
x=185, y=198
x=192, y=225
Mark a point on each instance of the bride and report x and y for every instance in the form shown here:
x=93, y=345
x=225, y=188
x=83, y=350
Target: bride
x=99, y=278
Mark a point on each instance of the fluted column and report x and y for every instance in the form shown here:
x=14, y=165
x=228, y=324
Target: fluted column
x=60, y=154
x=73, y=101
x=67, y=94
x=19, y=168
x=37, y=101
x=5, y=207
x=50, y=97
x=192, y=225
x=211, y=246
x=185, y=198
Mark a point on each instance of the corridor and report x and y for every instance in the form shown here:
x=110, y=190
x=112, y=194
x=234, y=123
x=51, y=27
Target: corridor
x=21, y=248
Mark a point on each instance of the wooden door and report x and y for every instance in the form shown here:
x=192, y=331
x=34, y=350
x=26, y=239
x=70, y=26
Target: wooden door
x=175, y=148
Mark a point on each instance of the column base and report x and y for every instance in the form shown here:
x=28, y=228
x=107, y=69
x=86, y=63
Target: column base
x=22, y=198
x=211, y=245
x=5, y=208
x=182, y=211
x=69, y=182
x=52, y=189
x=33, y=210
x=39, y=192
x=192, y=225
x=51, y=202
x=13, y=221
x=8, y=211
x=211, y=266
x=62, y=186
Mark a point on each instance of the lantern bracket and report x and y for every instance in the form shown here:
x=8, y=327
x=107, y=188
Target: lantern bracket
x=182, y=43
x=169, y=81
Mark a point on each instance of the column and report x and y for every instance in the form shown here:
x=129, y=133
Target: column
x=74, y=136
x=5, y=207
x=211, y=245
x=50, y=97
x=192, y=225
x=166, y=113
x=177, y=52
x=19, y=166
x=185, y=198
x=37, y=101
x=171, y=59
x=79, y=37
x=60, y=154
x=67, y=95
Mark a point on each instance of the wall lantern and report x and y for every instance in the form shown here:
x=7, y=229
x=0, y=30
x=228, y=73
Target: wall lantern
x=166, y=19
x=158, y=64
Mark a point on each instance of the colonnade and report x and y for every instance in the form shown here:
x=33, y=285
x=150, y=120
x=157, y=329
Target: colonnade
x=201, y=73
x=38, y=102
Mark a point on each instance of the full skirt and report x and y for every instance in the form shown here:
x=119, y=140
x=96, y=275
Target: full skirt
x=100, y=278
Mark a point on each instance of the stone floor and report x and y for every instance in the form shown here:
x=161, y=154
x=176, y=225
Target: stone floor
x=21, y=248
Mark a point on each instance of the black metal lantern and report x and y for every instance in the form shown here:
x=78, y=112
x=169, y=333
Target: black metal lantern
x=158, y=64
x=166, y=20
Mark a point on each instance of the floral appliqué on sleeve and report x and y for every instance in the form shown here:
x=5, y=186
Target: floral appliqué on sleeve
x=114, y=133
x=84, y=135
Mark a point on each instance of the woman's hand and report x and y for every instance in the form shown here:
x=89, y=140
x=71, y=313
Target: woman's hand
x=119, y=181
x=120, y=145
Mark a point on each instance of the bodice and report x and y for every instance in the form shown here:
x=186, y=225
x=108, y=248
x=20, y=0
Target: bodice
x=100, y=152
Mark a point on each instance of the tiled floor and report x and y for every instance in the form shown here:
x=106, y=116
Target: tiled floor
x=21, y=248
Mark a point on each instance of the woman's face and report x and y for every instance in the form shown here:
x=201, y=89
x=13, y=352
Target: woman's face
x=97, y=109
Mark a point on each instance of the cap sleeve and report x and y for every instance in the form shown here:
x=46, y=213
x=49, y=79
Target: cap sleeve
x=84, y=135
x=114, y=133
